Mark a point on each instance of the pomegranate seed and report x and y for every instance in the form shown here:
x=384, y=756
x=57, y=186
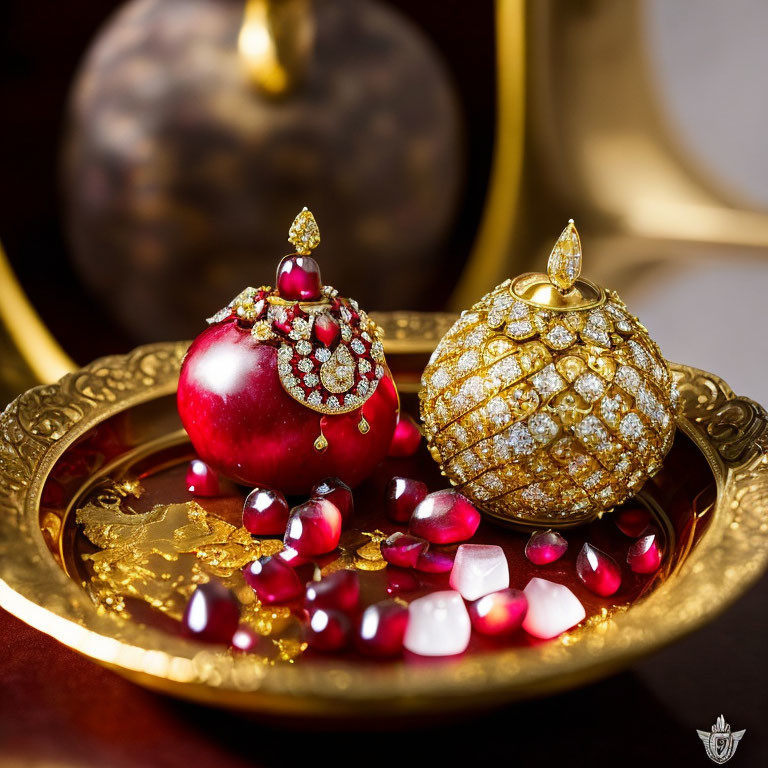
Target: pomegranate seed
x=245, y=639
x=402, y=549
x=599, y=572
x=435, y=561
x=327, y=630
x=339, y=591
x=400, y=581
x=402, y=496
x=644, y=555
x=265, y=512
x=212, y=614
x=552, y=608
x=298, y=279
x=633, y=521
x=337, y=492
x=479, y=569
x=545, y=547
x=406, y=438
x=381, y=628
x=201, y=479
x=313, y=528
x=273, y=580
x=445, y=517
x=499, y=613
x=326, y=329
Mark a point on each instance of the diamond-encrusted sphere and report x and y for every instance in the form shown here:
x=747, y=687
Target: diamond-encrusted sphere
x=548, y=414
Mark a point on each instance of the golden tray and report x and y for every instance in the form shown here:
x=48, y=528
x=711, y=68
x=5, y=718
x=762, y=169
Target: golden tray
x=722, y=440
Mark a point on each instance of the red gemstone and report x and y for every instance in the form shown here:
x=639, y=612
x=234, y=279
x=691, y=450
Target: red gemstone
x=265, y=512
x=545, y=547
x=326, y=329
x=327, y=630
x=599, y=571
x=273, y=580
x=339, y=591
x=400, y=581
x=245, y=639
x=381, y=628
x=499, y=613
x=212, y=614
x=435, y=561
x=201, y=479
x=292, y=557
x=298, y=279
x=644, y=555
x=338, y=493
x=313, y=528
x=402, y=549
x=445, y=517
x=407, y=437
x=633, y=521
x=402, y=496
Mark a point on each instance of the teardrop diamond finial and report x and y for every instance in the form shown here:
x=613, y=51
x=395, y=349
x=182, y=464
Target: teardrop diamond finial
x=304, y=233
x=564, y=264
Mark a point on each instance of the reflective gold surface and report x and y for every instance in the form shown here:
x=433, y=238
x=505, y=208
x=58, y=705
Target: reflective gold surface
x=37, y=429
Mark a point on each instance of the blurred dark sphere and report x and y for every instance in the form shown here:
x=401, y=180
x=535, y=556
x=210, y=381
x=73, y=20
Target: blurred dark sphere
x=181, y=180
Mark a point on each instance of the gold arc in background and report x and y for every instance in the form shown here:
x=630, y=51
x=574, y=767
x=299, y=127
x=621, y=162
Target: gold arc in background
x=275, y=43
x=487, y=261
x=31, y=339
x=731, y=433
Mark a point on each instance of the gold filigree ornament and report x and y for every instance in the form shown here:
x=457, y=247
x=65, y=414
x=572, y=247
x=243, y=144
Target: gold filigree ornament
x=548, y=402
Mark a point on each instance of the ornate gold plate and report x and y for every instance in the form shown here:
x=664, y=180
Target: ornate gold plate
x=724, y=549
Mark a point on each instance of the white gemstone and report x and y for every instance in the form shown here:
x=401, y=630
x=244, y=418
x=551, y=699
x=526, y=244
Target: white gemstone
x=597, y=320
x=518, y=311
x=298, y=393
x=610, y=410
x=631, y=427
x=323, y=355
x=590, y=386
x=362, y=388
x=495, y=317
x=639, y=355
x=507, y=369
x=314, y=398
x=379, y=372
x=534, y=494
x=305, y=365
x=519, y=328
x=592, y=333
x=543, y=427
x=594, y=479
x=364, y=365
x=468, y=361
x=500, y=448
x=332, y=402
x=357, y=346
x=475, y=338
x=548, y=381
x=478, y=570
x=498, y=412
x=440, y=378
x=559, y=337
x=346, y=332
x=438, y=625
x=350, y=400
x=471, y=392
x=300, y=329
x=628, y=378
x=311, y=379
x=285, y=352
x=591, y=432
x=519, y=439
x=552, y=608
x=304, y=347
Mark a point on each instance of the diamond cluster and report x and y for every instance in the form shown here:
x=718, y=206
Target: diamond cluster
x=548, y=415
